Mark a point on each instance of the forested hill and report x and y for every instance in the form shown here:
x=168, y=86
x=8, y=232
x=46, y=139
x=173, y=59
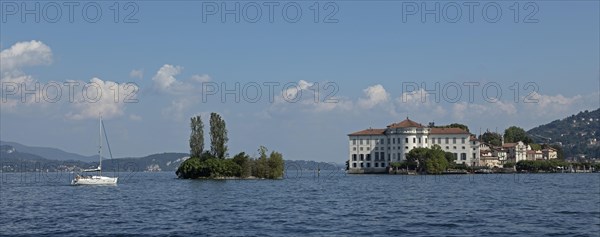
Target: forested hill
x=578, y=134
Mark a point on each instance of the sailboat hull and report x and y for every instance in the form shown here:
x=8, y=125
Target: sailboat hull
x=94, y=180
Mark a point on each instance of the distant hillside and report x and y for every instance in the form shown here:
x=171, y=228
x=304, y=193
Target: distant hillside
x=12, y=160
x=579, y=134
x=155, y=162
x=49, y=153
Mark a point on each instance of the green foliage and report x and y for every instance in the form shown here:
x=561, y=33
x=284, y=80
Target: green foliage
x=495, y=139
x=397, y=164
x=206, y=155
x=431, y=160
x=276, y=165
x=245, y=163
x=459, y=166
x=189, y=168
x=515, y=134
x=436, y=162
x=541, y=165
x=535, y=146
x=241, y=165
x=196, y=137
x=404, y=165
x=450, y=157
x=218, y=136
x=509, y=165
x=455, y=125
x=213, y=164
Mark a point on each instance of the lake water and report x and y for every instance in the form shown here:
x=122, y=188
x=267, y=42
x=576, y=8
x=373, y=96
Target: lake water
x=334, y=204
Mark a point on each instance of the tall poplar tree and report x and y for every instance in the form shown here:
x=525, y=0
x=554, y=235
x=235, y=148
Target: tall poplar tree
x=218, y=136
x=196, y=137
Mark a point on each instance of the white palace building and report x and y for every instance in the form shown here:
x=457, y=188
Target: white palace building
x=372, y=150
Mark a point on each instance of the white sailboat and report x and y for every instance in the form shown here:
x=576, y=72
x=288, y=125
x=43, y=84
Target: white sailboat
x=96, y=179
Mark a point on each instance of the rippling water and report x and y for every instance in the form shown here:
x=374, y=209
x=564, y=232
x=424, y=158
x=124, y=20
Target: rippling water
x=339, y=205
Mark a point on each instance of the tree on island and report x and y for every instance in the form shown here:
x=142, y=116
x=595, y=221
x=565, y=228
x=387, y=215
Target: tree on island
x=197, y=137
x=431, y=160
x=214, y=164
x=515, y=134
x=218, y=136
x=492, y=138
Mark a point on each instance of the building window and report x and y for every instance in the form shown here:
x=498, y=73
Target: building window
x=353, y=141
x=463, y=156
x=398, y=156
x=447, y=139
x=368, y=157
x=439, y=140
x=382, y=155
x=463, y=140
x=447, y=148
x=432, y=141
x=361, y=141
x=361, y=148
x=389, y=141
x=354, y=164
x=463, y=147
x=406, y=140
x=362, y=165
x=414, y=140
x=454, y=140
x=376, y=155
x=376, y=164
x=394, y=156
x=383, y=164
x=353, y=157
x=362, y=157
x=354, y=148
x=393, y=140
x=419, y=140
x=368, y=165
x=454, y=147
x=382, y=141
x=406, y=147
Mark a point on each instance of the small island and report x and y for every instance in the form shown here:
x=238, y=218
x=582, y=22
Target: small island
x=214, y=164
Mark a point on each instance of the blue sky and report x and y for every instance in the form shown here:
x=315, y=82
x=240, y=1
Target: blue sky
x=368, y=55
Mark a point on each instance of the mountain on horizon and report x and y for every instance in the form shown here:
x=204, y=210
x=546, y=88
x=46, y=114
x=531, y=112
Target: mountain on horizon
x=49, y=153
x=578, y=134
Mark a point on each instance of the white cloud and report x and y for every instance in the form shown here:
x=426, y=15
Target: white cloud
x=24, y=54
x=165, y=77
x=294, y=91
x=201, y=78
x=375, y=95
x=177, y=108
x=137, y=73
x=102, y=97
x=12, y=61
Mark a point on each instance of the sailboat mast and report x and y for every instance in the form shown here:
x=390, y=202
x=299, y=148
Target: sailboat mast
x=100, y=146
